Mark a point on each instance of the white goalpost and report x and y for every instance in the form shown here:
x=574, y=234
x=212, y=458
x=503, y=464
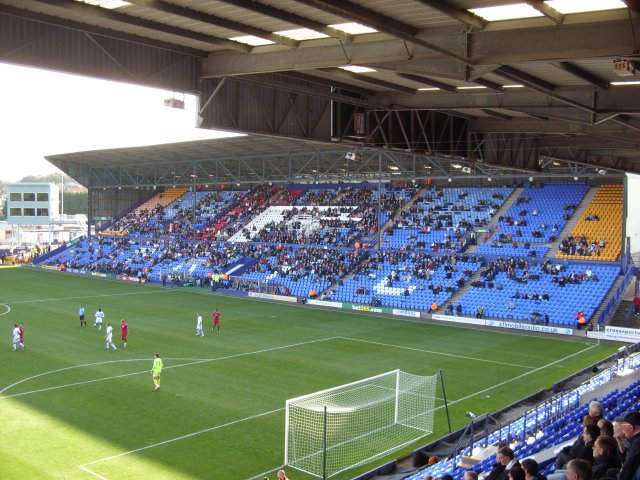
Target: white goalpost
x=333, y=430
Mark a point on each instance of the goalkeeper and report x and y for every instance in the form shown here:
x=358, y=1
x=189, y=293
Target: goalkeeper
x=156, y=370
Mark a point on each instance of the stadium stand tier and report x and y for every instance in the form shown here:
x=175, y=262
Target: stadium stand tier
x=597, y=236
x=540, y=213
x=309, y=240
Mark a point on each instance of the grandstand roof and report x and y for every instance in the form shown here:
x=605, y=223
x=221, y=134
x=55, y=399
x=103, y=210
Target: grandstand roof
x=262, y=158
x=505, y=91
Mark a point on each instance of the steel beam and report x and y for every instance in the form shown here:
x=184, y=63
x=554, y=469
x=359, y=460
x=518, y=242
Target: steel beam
x=106, y=14
x=382, y=23
x=582, y=74
x=179, y=11
x=95, y=30
x=463, y=16
x=269, y=11
x=613, y=100
x=495, y=47
x=549, y=12
x=428, y=82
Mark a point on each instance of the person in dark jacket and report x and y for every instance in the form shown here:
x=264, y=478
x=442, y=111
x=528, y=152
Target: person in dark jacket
x=569, y=453
x=532, y=470
x=629, y=434
x=506, y=460
x=605, y=457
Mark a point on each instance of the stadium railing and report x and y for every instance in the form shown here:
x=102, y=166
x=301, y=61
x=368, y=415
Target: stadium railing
x=613, y=303
x=527, y=423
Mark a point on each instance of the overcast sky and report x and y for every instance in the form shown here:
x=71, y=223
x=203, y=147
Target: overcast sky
x=44, y=113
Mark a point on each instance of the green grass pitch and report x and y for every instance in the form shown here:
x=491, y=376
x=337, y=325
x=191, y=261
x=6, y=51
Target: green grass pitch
x=71, y=410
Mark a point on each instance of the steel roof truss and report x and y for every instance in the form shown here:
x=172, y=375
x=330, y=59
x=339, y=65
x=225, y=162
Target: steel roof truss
x=106, y=14
x=382, y=23
x=292, y=18
x=547, y=11
x=464, y=16
x=217, y=21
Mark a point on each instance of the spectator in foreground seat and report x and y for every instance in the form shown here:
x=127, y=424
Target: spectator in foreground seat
x=629, y=434
x=605, y=457
x=516, y=473
x=577, y=450
x=531, y=470
x=506, y=461
x=578, y=469
x=606, y=427
x=470, y=475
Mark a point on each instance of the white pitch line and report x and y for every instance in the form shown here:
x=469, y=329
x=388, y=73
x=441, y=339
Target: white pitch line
x=86, y=382
x=5, y=306
x=64, y=369
x=439, y=353
x=83, y=466
x=481, y=391
x=521, y=375
x=182, y=437
x=91, y=472
x=378, y=316
x=86, y=296
x=194, y=362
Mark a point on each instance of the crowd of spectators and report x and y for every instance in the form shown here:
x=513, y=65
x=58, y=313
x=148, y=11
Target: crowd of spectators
x=579, y=245
x=297, y=262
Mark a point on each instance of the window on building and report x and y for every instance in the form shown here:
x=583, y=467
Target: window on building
x=43, y=212
x=43, y=197
x=15, y=212
x=15, y=196
x=29, y=197
x=29, y=212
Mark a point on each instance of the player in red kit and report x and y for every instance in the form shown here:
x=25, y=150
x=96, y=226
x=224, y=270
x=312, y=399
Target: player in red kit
x=22, y=334
x=216, y=320
x=124, y=329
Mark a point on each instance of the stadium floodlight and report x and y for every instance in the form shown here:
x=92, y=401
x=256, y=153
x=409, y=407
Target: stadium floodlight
x=333, y=430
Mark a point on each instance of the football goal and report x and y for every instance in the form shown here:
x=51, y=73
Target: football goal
x=333, y=430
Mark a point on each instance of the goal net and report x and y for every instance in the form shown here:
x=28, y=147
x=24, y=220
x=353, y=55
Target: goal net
x=333, y=430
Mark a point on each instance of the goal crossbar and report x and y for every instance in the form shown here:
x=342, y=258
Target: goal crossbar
x=332, y=430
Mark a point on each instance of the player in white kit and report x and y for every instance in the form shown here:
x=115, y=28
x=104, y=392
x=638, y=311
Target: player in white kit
x=109, y=338
x=199, y=330
x=16, y=338
x=99, y=318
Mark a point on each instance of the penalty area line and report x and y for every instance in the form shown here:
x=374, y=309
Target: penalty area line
x=234, y=422
x=91, y=472
x=171, y=440
x=579, y=352
x=438, y=353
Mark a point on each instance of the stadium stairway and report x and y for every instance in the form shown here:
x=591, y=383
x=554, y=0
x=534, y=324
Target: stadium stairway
x=455, y=298
x=568, y=227
x=501, y=212
x=619, y=318
x=391, y=221
x=605, y=300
